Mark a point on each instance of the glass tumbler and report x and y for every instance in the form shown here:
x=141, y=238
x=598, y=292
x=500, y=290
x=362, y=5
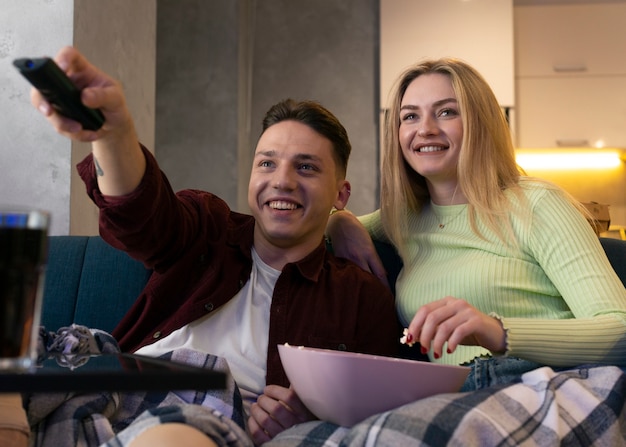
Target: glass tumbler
x=23, y=259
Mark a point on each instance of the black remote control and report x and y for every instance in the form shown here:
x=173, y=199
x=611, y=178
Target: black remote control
x=46, y=76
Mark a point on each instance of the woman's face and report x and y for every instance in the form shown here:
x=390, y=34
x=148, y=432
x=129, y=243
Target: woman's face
x=431, y=129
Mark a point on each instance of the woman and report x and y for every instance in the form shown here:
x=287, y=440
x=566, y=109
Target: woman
x=498, y=267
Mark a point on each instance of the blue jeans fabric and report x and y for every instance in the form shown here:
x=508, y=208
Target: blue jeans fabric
x=489, y=371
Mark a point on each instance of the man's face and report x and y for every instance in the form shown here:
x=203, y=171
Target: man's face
x=293, y=186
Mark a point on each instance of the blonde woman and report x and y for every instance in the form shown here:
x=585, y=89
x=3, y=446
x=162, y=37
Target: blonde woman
x=501, y=271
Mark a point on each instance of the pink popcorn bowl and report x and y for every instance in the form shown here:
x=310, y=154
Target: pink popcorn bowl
x=346, y=387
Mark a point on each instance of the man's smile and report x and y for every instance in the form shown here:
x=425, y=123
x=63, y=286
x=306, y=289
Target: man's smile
x=283, y=205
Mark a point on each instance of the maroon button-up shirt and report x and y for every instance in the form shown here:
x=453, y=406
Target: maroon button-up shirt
x=200, y=251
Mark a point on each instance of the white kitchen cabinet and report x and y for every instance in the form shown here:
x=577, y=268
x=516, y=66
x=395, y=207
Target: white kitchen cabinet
x=583, y=111
x=581, y=40
x=477, y=31
x=570, y=75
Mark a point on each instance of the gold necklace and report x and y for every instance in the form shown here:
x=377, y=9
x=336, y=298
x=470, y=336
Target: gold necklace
x=442, y=223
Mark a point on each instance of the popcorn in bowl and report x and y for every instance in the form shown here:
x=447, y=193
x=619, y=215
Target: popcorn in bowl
x=404, y=338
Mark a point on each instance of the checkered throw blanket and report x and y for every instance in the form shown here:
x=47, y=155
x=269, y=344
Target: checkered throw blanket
x=579, y=407
x=111, y=419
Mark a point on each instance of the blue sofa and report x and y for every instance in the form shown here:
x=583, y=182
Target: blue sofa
x=90, y=283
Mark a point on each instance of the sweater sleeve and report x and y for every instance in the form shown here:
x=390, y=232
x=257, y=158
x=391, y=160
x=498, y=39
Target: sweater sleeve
x=374, y=225
x=565, y=246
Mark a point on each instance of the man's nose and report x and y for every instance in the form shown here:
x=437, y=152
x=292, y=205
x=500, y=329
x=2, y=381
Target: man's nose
x=284, y=178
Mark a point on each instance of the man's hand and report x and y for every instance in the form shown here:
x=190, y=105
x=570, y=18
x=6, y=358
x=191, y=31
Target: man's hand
x=98, y=91
x=352, y=241
x=277, y=409
x=120, y=161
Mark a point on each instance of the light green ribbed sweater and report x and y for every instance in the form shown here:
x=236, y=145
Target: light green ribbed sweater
x=559, y=299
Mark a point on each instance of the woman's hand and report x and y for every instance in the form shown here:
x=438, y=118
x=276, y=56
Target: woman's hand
x=277, y=409
x=456, y=322
x=352, y=241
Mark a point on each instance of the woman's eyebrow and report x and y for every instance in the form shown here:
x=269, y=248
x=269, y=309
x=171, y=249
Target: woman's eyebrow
x=445, y=101
x=435, y=104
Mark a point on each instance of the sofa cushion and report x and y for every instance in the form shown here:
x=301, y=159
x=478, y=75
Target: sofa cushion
x=616, y=252
x=65, y=263
x=89, y=282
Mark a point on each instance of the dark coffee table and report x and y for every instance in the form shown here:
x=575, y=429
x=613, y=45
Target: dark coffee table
x=111, y=372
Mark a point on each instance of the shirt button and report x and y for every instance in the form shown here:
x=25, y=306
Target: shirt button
x=342, y=347
x=157, y=334
x=208, y=307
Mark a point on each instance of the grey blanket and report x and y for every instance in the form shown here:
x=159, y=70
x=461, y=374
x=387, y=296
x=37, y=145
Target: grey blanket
x=113, y=419
x=580, y=407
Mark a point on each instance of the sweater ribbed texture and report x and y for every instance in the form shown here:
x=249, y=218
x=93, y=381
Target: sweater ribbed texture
x=559, y=299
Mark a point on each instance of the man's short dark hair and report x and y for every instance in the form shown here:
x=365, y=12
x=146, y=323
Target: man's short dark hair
x=318, y=118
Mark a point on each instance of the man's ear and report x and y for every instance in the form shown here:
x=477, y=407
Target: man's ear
x=343, y=195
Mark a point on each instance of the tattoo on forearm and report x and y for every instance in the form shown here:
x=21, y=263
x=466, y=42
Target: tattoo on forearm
x=99, y=171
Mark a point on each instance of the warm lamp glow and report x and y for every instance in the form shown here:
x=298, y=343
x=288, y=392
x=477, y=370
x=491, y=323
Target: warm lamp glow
x=542, y=159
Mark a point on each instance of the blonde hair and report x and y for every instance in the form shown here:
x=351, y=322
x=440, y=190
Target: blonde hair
x=486, y=166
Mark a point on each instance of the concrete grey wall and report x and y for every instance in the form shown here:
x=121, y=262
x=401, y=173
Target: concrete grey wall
x=325, y=50
x=118, y=36
x=37, y=164
x=219, y=66
x=222, y=64
x=197, y=85
x=35, y=161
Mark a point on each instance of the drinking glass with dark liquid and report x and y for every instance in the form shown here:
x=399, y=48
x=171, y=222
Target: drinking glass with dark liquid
x=23, y=259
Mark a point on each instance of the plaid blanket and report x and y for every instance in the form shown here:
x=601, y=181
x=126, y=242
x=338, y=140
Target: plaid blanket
x=578, y=407
x=113, y=419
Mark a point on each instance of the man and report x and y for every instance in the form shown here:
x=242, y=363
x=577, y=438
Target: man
x=226, y=283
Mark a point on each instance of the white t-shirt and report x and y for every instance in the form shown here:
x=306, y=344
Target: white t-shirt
x=238, y=332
